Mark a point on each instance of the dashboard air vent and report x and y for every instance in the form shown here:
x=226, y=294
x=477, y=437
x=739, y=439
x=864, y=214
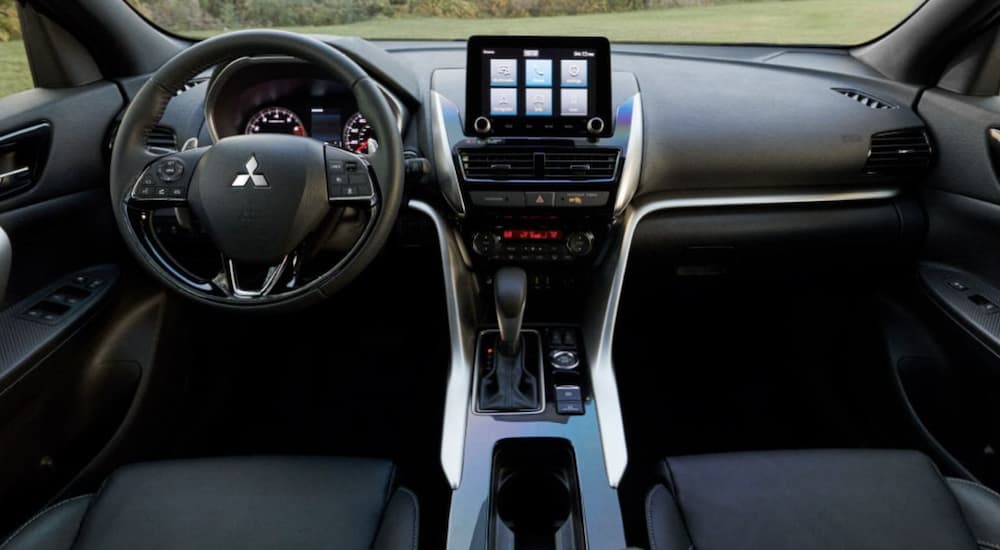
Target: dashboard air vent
x=161, y=139
x=867, y=100
x=531, y=164
x=497, y=164
x=899, y=152
x=591, y=164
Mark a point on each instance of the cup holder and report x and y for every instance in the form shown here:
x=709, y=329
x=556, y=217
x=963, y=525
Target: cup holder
x=535, y=497
x=535, y=503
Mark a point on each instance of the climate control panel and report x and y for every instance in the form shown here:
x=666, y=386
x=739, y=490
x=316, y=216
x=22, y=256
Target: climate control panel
x=532, y=245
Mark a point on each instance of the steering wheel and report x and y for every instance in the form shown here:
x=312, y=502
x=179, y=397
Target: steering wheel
x=265, y=201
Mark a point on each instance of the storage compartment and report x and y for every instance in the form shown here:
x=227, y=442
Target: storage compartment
x=535, y=496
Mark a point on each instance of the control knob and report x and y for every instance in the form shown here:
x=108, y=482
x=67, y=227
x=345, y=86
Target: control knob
x=482, y=125
x=595, y=126
x=580, y=244
x=485, y=244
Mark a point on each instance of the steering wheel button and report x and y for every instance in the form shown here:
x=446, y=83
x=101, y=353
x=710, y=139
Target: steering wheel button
x=146, y=191
x=351, y=166
x=148, y=181
x=335, y=166
x=170, y=170
x=337, y=179
x=177, y=192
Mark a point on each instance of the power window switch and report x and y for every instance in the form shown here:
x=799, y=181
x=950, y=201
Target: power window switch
x=957, y=285
x=984, y=304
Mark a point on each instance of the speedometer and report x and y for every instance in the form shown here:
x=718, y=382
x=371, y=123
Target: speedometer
x=275, y=120
x=359, y=136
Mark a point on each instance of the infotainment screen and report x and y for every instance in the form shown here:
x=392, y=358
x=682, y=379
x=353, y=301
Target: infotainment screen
x=538, y=86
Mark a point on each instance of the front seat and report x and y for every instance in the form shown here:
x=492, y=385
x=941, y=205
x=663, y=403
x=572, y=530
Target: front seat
x=818, y=500
x=233, y=503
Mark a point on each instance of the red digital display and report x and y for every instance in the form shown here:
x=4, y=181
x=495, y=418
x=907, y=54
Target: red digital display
x=532, y=234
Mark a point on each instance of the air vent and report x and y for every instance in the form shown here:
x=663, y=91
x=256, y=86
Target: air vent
x=566, y=164
x=498, y=164
x=899, y=152
x=867, y=100
x=592, y=164
x=161, y=139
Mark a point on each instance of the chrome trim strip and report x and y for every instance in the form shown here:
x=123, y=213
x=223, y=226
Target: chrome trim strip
x=444, y=164
x=602, y=312
x=14, y=172
x=6, y=258
x=628, y=184
x=995, y=134
x=460, y=289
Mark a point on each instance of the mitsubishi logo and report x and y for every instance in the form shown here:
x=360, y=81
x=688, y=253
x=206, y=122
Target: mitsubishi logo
x=257, y=179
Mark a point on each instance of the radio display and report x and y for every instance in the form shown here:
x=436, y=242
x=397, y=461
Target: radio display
x=532, y=235
x=546, y=86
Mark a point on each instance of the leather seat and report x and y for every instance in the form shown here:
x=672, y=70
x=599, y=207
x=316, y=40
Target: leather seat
x=812, y=500
x=238, y=503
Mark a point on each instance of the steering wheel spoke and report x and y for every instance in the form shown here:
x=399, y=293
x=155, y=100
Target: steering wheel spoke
x=165, y=181
x=349, y=178
x=229, y=282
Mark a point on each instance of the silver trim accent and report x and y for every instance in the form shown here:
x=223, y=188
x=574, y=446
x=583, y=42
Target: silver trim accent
x=14, y=172
x=602, y=312
x=6, y=258
x=270, y=280
x=444, y=164
x=995, y=134
x=628, y=183
x=475, y=379
x=461, y=289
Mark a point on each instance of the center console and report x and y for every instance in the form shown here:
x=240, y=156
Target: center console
x=537, y=149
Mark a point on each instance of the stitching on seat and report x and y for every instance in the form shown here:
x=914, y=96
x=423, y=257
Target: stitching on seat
x=649, y=516
x=413, y=515
x=977, y=485
x=675, y=493
x=52, y=508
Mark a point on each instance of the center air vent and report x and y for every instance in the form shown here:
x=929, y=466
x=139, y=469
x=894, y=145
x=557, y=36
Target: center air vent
x=867, y=100
x=568, y=164
x=161, y=139
x=899, y=152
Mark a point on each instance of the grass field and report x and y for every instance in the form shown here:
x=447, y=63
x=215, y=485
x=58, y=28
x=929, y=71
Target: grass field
x=14, y=75
x=769, y=21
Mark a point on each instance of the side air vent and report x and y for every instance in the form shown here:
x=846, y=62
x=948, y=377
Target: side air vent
x=512, y=163
x=867, y=100
x=161, y=139
x=593, y=164
x=899, y=152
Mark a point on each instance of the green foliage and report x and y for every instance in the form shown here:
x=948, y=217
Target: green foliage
x=10, y=25
x=210, y=14
x=460, y=9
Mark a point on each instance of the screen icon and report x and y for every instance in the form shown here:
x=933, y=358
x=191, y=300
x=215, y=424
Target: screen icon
x=503, y=72
x=538, y=73
x=573, y=73
x=573, y=102
x=538, y=102
x=503, y=102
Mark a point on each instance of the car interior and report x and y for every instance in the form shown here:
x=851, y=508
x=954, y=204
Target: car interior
x=284, y=290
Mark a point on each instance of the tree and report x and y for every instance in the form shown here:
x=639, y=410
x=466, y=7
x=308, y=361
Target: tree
x=10, y=25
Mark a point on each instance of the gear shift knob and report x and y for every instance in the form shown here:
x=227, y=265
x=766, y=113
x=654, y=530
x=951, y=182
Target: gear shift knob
x=510, y=289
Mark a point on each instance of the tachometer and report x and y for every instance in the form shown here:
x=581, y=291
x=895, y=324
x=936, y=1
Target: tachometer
x=359, y=136
x=275, y=120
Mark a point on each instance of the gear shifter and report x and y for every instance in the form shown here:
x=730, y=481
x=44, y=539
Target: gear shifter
x=510, y=386
x=510, y=294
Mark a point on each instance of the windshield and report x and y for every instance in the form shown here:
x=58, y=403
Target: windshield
x=709, y=21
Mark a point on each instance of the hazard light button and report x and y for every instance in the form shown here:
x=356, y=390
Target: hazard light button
x=540, y=198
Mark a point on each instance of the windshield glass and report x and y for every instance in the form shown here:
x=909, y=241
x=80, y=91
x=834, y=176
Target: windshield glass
x=710, y=21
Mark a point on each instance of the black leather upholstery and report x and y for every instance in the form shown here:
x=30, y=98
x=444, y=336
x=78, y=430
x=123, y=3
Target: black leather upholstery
x=817, y=500
x=237, y=503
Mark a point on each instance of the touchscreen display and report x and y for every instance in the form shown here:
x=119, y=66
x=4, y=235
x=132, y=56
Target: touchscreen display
x=545, y=86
